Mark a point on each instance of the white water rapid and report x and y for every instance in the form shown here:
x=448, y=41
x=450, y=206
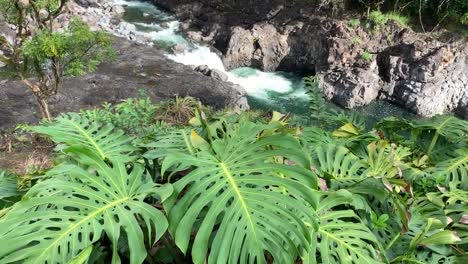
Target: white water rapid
x=164, y=30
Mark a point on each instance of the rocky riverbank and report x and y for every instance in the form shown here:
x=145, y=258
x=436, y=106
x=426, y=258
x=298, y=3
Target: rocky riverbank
x=356, y=63
x=138, y=66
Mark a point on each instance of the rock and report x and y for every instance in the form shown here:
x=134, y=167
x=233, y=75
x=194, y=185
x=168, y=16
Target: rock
x=88, y=3
x=261, y=47
x=125, y=28
x=137, y=67
x=427, y=83
x=425, y=76
x=118, y=10
x=351, y=87
x=179, y=48
x=203, y=69
x=213, y=73
x=219, y=75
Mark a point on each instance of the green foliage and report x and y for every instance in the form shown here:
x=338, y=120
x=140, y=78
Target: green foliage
x=79, y=50
x=75, y=131
x=398, y=18
x=378, y=18
x=322, y=113
x=242, y=191
x=366, y=56
x=43, y=51
x=354, y=22
x=69, y=212
x=342, y=236
x=8, y=189
x=232, y=176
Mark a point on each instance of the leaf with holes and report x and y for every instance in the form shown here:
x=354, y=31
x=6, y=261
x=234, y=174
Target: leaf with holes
x=454, y=170
x=222, y=201
x=79, y=132
x=341, y=236
x=336, y=162
x=60, y=217
x=177, y=140
x=8, y=185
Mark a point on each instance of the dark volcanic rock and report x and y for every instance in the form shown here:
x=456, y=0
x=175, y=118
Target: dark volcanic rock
x=137, y=67
x=422, y=74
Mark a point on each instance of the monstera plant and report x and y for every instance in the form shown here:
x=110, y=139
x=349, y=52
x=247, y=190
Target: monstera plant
x=242, y=191
x=239, y=201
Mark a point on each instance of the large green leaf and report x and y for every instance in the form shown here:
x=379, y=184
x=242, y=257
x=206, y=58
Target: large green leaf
x=385, y=159
x=454, y=170
x=449, y=127
x=173, y=141
x=428, y=132
x=60, y=217
x=8, y=185
x=78, y=132
x=341, y=236
x=238, y=203
x=336, y=162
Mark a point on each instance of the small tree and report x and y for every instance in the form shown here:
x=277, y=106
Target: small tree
x=43, y=52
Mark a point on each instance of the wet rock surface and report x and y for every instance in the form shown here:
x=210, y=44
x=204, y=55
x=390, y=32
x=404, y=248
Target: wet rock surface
x=416, y=71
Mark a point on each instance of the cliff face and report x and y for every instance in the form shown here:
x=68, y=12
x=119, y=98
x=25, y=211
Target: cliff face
x=357, y=64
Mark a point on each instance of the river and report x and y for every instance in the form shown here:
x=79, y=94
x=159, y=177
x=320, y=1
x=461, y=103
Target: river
x=280, y=91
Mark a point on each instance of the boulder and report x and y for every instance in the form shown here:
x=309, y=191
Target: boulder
x=219, y=75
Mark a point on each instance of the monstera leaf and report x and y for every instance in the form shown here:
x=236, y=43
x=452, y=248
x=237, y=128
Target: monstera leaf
x=238, y=203
x=449, y=127
x=341, y=236
x=173, y=141
x=454, y=170
x=78, y=132
x=8, y=185
x=336, y=162
x=62, y=216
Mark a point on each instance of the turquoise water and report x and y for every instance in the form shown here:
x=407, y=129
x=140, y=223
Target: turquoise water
x=280, y=91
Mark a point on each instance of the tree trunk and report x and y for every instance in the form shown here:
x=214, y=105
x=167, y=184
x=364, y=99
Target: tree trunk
x=41, y=101
x=44, y=107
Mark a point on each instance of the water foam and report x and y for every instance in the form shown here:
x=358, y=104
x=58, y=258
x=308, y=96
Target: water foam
x=256, y=83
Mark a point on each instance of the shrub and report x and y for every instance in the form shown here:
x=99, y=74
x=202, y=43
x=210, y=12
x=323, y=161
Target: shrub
x=366, y=56
x=378, y=18
x=47, y=54
x=354, y=22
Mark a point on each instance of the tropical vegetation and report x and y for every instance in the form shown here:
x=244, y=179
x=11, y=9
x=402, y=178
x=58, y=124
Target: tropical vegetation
x=42, y=51
x=228, y=187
